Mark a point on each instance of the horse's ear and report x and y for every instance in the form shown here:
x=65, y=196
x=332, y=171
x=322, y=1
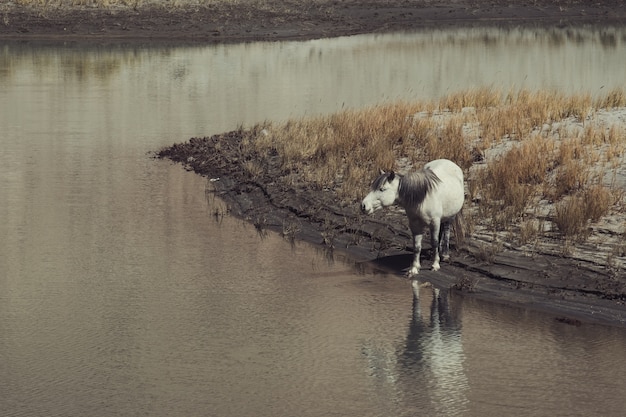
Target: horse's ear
x=382, y=172
x=391, y=176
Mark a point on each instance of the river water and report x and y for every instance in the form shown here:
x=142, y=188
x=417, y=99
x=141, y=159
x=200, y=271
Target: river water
x=122, y=294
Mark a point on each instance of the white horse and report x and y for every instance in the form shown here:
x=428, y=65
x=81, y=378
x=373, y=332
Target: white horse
x=432, y=196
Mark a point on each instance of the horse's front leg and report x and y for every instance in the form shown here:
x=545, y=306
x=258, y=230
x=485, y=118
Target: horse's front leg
x=434, y=243
x=417, y=248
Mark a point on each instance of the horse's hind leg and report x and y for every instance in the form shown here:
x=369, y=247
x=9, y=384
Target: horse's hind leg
x=434, y=240
x=444, y=241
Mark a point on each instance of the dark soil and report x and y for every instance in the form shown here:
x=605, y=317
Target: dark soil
x=575, y=292
x=291, y=19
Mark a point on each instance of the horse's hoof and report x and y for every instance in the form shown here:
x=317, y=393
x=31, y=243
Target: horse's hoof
x=445, y=258
x=436, y=267
x=412, y=272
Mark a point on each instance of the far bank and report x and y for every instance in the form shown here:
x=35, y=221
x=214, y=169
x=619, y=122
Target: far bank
x=228, y=21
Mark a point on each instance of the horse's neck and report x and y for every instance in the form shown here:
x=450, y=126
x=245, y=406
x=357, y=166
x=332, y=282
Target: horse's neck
x=409, y=198
x=400, y=200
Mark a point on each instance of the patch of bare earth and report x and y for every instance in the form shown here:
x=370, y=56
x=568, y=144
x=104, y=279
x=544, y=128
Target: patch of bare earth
x=252, y=20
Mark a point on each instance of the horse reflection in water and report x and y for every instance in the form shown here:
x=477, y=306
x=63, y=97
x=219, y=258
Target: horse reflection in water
x=424, y=375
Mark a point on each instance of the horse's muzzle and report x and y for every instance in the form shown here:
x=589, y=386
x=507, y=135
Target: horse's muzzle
x=366, y=209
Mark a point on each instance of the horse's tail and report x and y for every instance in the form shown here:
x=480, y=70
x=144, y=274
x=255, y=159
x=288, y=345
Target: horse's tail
x=459, y=227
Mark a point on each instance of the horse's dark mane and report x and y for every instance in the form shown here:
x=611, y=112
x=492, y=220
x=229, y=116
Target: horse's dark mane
x=416, y=185
x=378, y=182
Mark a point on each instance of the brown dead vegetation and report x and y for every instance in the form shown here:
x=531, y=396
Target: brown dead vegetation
x=519, y=150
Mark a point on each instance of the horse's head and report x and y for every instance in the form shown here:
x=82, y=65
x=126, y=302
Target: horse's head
x=383, y=193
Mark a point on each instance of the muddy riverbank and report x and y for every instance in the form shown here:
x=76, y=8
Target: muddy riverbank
x=574, y=289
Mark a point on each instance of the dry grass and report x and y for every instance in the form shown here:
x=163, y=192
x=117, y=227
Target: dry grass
x=513, y=179
x=614, y=98
x=573, y=214
x=530, y=155
x=529, y=231
x=341, y=149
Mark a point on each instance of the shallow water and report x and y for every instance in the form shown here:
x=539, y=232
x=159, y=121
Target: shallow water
x=121, y=292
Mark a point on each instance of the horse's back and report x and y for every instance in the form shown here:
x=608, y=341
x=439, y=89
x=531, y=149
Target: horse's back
x=446, y=169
